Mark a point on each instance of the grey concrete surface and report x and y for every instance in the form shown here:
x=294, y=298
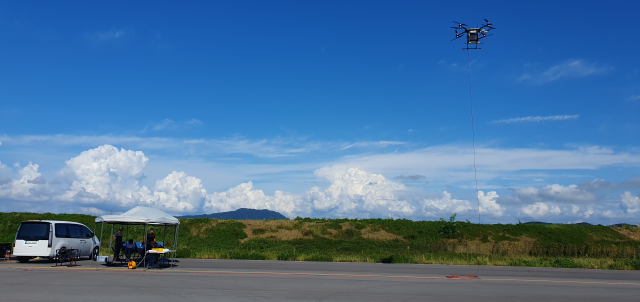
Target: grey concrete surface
x=244, y=280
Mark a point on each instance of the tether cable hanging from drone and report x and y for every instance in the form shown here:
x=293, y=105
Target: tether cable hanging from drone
x=473, y=38
x=475, y=172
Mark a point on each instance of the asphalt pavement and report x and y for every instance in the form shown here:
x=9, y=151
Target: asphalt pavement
x=246, y=280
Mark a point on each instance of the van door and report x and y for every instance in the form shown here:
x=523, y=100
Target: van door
x=32, y=239
x=86, y=241
x=68, y=235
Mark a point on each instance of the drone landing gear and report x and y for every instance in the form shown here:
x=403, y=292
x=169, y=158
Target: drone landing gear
x=476, y=46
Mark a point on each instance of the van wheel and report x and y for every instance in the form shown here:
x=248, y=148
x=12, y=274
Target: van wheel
x=94, y=255
x=23, y=259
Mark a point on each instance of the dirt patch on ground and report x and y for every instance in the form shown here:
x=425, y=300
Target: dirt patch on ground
x=522, y=247
x=201, y=230
x=291, y=230
x=378, y=234
x=272, y=229
x=632, y=234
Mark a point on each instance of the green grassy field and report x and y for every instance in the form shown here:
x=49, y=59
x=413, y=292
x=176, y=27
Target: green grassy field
x=386, y=240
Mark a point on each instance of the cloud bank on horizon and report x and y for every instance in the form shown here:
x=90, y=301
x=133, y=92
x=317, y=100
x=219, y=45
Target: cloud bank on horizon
x=107, y=177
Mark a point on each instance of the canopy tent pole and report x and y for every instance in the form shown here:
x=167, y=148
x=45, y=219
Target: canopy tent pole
x=175, y=242
x=144, y=247
x=100, y=243
x=110, y=241
x=101, y=231
x=95, y=228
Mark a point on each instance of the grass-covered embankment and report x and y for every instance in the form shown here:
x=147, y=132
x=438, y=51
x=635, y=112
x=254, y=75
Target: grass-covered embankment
x=388, y=240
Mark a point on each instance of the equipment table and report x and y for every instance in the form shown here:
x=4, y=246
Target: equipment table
x=162, y=254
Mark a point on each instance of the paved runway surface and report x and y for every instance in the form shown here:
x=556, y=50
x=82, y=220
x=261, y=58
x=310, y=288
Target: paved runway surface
x=245, y=280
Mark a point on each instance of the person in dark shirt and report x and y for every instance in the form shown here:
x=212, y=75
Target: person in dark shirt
x=151, y=259
x=118, y=240
x=151, y=239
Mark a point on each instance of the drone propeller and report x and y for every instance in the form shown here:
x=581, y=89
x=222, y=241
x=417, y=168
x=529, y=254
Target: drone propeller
x=460, y=24
x=488, y=23
x=489, y=27
x=458, y=35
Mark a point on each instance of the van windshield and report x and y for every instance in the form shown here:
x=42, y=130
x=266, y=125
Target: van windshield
x=33, y=231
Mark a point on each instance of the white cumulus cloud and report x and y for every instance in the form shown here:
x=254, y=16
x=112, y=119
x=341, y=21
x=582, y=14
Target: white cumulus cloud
x=105, y=174
x=539, y=209
x=30, y=186
x=106, y=178
x=443, y=206
x=575, y=209
x=176, y=192
x=630, y=204
x=488, y=204
x=356, y=193
x=352, y=193
x=245, y=196
x=355, y=183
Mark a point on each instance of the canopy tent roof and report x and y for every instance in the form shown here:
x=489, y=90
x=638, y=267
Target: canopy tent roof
x=140, y=215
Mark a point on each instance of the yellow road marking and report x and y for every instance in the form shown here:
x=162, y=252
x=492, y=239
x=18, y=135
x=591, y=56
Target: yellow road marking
x=319, y=274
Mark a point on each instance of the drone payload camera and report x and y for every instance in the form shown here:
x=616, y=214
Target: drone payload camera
x=473, y=34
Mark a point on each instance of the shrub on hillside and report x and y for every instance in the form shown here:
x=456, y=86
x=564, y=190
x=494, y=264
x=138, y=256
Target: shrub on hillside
x=450, y=229
x=564, y=263
x=635, y=264
x=398, y=259
x=319, y=257
x=286, y=256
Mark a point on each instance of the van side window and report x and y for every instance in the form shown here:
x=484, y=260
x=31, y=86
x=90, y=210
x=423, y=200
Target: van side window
x=75, y=231
x=62, y=230
x=68, y=230
x=86, y=232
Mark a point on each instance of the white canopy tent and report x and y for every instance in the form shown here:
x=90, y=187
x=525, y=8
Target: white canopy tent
x=140, y=216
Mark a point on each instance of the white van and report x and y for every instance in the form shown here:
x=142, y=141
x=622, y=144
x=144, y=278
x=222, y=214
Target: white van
x=42, y=238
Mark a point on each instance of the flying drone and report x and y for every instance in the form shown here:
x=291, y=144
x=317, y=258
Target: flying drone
x=473, y=34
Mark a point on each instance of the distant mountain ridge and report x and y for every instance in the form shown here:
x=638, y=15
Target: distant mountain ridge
x=241, y=214
x=619, y=225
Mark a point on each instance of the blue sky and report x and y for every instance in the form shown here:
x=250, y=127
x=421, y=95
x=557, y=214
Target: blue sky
x=325, y=109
